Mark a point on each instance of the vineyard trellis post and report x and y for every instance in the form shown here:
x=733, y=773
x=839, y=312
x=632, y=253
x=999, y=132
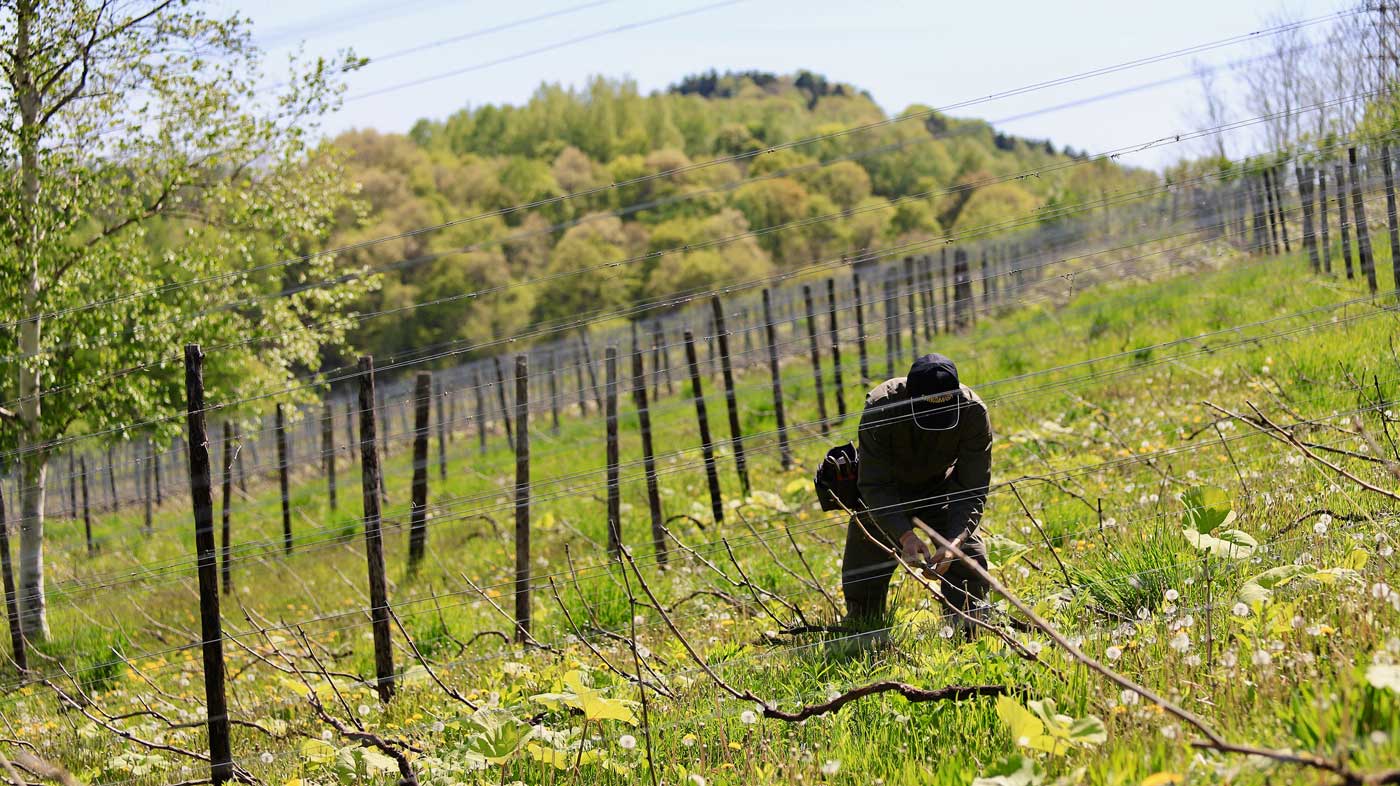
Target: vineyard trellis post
x=374, y=536
x=1324, y=229
x=87, y=512
x=146, y=479
x=553, y=392
x=418, y=506
x=891, y=312
x=522, y=499
x=1305, y=196
x=226, y=471
x=947, y=294
x=835, y=336
x=440, y=405
x=784, y=450
x=592, y=372
x=282, y=480
x=7, y=574
x=736, y=435
x=1390, y=213
x=707, y=446
x=639, y=393
x=1340, y=178
x=860, y=330
x=610, y=418
x=815, y=347
x=1358, y=215
x=926, y=297
x=480, y=412
x=112, y=477
x=501, y=396
x=328, y=449
x=210, y=627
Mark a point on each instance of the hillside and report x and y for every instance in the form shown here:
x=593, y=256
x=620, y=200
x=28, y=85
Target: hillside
x=878, y=187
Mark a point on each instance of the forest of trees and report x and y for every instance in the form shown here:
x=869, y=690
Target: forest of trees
x=888, y=185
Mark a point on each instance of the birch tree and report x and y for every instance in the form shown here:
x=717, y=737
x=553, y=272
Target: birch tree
x=141, y=149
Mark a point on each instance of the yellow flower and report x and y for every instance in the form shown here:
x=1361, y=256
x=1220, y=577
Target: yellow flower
x=736, y=746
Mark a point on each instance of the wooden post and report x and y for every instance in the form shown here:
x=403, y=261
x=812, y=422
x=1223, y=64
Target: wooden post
x=282, y=481
x=1339, y=177
x=1363, y=232
x=926, y=297
x=639, y=395
x=17, y=647
x=87, y=512
x=112, y=477
x=553, y=392
x=501, y=395
x=72, y=488
x=815, y=347
x=1260, y=224
x=947, y=293
x=610, y=416
x=146, y=476
x=706, y=445
x=480, y=412
x=1390, y=216
x=1305, y=197
x=784, y=450
x=328, y=448
x=522, y=499
x=155, y=466
x=210, y=627
x=225, y=511
x=911, y=291
x=1322, y=220
x=860, y=331
x=1276, y=178
x=962, y=289
x=418, y=506
x=1269, y=209
x=834, y=334
x=374, y=536
x=665, y=365
x=731, y=403
x=891, y=326
x=440, y=398
x=451, y=397
x=592, y=372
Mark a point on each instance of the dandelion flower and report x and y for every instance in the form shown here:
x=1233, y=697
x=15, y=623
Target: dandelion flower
x=326, y=735
x=1128, y=697
x=688, y=740
x=748, y=717
x=946, y=631
x=1380, y=590
x=831, y=766
x=1172, y=595
x=1240, y=609
x=627, y=742
x=1113, y=653
x=1379, y=737
x=1320, y=528
x=267, y=757
x=697, y=779
x=1034, y=647
x=364, y=710
x=1180, y=642
x=1262, y=658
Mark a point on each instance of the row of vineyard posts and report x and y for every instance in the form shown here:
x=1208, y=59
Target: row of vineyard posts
x=921, y=297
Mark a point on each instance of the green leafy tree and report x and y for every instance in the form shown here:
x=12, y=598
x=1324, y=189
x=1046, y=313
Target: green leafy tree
x=139, y=149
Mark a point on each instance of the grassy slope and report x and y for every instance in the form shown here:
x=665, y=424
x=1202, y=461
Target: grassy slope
x=1134, y=404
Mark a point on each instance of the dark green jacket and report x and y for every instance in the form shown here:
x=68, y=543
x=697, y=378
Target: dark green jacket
x=901, y=464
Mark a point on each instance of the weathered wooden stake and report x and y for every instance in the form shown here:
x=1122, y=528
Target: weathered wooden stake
x=440, y=398
x=816, y=350
x=610, y=416
x=1305, y=197
x=1339, y=177
x=155, y=464
x=374, y=536
x=210, y=626
x=554, y=392
x=926, y=296
x=480, y=412
x=639, y=394
x=226, y=510
x=947, y=292
x=501, y=395
x=112, y=477
x=731, y=403
x=706, y=445
x=784, y=450
x=328, y=449
x=834, y=334
x=860, y=331
x=1322, y=220
x=891, y=326
x=1390, y=215
x=18, y=652
x=146, y=477
x=282, y=481
x=87, y=512
x=522, y=499
x=1363, y=231
x=418, y=505
x=592, y=372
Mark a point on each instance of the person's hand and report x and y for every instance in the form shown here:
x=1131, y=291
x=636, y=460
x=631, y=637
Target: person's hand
x=913, y=549
x=941, y=559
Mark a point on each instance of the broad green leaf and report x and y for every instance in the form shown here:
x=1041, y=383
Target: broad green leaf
x=1163, y=779
x=1207, y=508
x=1018, y=770
x=1230, y=544
x=317, y=752
x=1356, y=560
x=1261, y=587
x=1027, y=730
x=499, y=737
x=1001, y=550
x=597, y=707
x=1384, y=675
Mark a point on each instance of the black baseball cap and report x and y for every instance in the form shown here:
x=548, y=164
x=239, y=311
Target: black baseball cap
x=935, y=397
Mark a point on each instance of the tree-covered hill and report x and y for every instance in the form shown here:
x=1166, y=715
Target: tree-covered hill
x=882, y=186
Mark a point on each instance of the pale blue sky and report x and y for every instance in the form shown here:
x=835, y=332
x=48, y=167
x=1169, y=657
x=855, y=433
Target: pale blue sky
x=934, y=53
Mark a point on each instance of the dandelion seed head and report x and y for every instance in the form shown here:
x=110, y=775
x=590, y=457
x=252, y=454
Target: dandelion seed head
x=1113, y=653
x=1240, y=609
x=627, y=742
x=748, y=717
x=831, y=766
x=1172, y=595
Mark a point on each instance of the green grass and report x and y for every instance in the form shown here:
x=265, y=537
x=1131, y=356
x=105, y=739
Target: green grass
x=1094, y=424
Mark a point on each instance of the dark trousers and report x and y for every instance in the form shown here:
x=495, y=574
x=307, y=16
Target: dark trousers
x=866, y=568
